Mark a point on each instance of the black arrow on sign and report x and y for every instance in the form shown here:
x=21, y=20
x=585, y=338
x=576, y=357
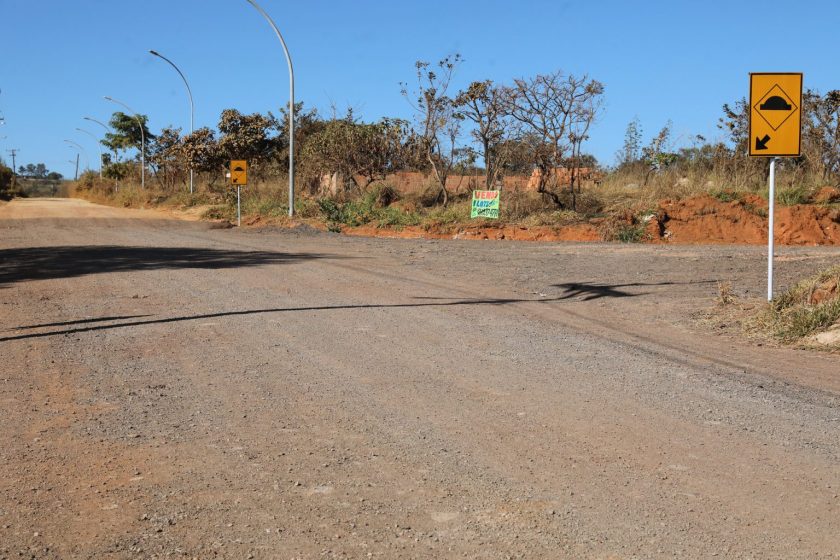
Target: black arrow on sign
x=762, y=144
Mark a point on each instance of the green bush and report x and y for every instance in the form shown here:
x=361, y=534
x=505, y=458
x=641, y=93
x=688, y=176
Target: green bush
x=791, y=196
x=307, y=208
x=331, y=210
x=725, y=195
x=373, y=207
x=5, y=182
x=452, y=214
x=397, y=217
x=630, y=233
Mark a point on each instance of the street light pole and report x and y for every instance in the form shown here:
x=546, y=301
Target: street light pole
x=192, y=106
x=82, y=149
x=98, y=145
x=142, y=140
x=291, y=108
x=107, y=129
x=100, y=123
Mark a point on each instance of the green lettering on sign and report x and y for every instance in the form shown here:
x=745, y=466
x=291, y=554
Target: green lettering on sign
x=485, y=204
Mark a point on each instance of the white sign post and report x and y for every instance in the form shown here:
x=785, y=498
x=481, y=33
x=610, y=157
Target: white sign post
x=771, y=199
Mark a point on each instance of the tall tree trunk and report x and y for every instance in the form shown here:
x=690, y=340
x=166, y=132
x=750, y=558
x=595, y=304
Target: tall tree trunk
x=541, y=187
x=440, y=177
x=489, y=167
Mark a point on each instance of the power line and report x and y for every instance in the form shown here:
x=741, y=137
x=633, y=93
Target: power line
x=14, y=152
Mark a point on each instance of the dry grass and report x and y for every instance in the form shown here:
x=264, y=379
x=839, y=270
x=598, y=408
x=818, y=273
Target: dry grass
x=627, y=190
x=725, y=295
x=618, y=202
x=810, y=307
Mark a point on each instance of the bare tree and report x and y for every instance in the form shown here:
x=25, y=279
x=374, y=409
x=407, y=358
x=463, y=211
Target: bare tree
x=555, y=111
x=438, y=125
x=584, y=112
x=483, y=103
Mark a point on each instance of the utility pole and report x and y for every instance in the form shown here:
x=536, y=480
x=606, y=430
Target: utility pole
x=14, y=152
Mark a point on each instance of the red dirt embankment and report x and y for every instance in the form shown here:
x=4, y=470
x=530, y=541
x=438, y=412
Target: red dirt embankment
x=705, y=219
x=702, y=219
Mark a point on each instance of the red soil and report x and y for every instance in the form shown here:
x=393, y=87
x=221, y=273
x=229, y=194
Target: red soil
x=705, y=219
x=702, y=219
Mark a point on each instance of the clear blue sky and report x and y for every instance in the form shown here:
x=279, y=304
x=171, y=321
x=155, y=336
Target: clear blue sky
x=659, y=60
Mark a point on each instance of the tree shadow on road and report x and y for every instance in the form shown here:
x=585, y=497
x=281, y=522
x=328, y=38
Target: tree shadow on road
x=78, y=322
x=43, y=263
x=204, y=316
x=590, y=290
x=441, y=302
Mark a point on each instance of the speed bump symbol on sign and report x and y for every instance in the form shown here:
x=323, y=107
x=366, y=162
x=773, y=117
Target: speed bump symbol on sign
x=239, y=172
x=775, y=115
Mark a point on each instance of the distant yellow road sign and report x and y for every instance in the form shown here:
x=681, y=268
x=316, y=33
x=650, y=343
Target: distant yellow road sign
x=238, y=172
x=775, y=115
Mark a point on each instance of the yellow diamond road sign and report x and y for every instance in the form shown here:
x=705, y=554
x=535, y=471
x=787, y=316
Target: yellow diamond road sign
x=239, y=172
x=775, y=114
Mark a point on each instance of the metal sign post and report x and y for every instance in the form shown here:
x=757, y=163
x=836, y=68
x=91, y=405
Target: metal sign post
x=771, y=198
x=238, y=207
x=238, y=176
x=775, y=131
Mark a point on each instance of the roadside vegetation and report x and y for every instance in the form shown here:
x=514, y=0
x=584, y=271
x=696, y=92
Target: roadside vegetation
x=30, y=180
x=810, y=307
x=807, y=314
x=527, y=138
x=7, y=187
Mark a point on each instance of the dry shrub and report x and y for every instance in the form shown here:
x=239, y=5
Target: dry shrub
x=385, y=194
x=809, y=307
x=725, y=295
x=555, y=218
x=624, y=226
x=518, y=205
x=587, y=202
x=623, y=189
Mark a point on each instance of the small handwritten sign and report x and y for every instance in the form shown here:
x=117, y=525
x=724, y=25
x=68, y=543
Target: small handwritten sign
x=485, y=204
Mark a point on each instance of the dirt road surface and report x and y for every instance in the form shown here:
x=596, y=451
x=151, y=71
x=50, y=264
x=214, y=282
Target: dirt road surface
x=170, y=390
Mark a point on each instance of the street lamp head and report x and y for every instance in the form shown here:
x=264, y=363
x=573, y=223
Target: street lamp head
x=154, y=52
x=108, y=98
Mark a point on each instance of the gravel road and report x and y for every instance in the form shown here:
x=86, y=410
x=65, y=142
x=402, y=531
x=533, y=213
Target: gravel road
x=171, y=390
